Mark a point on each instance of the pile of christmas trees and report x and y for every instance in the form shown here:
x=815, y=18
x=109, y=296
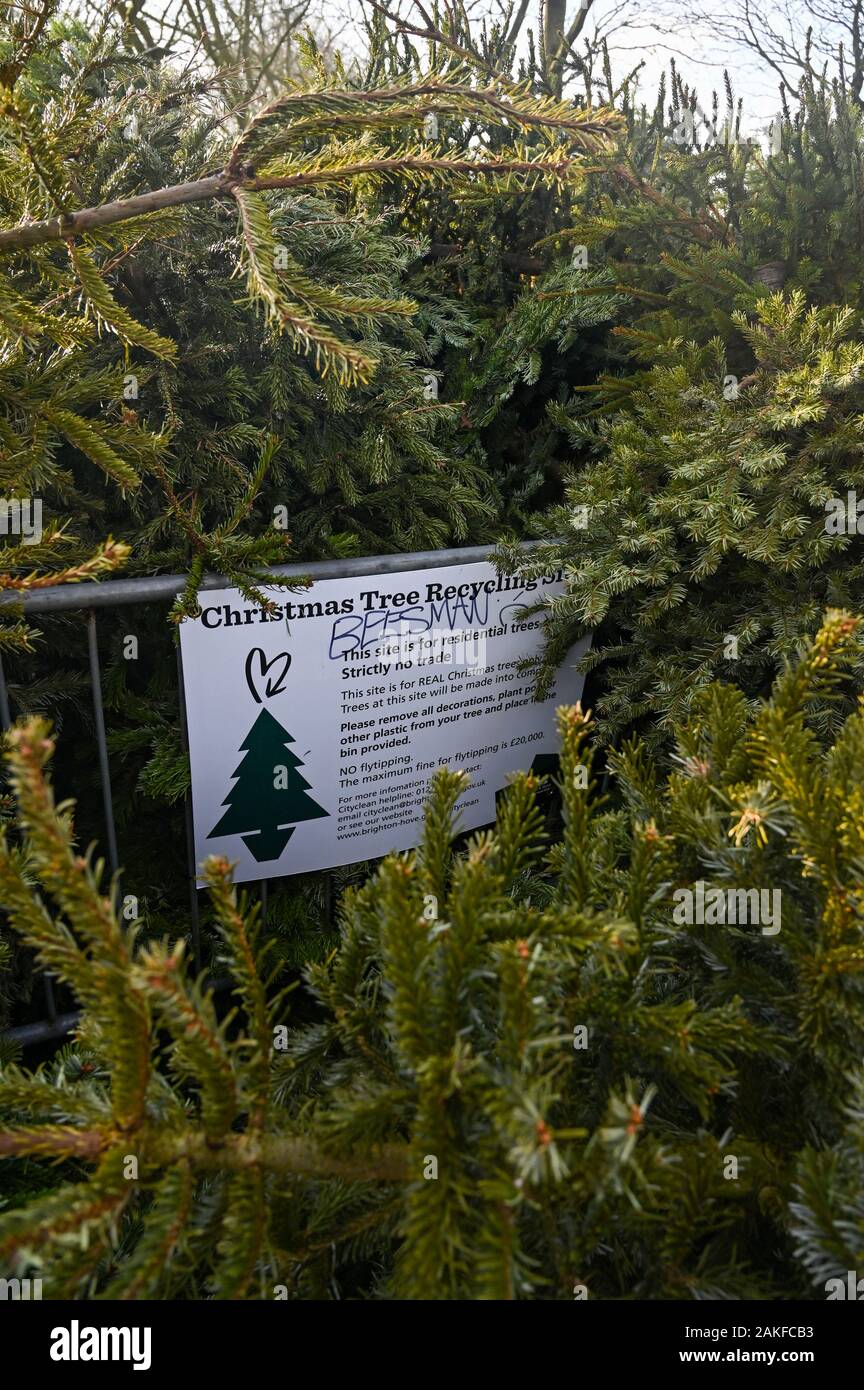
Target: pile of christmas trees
x=611, y=1047
x=621, y=1063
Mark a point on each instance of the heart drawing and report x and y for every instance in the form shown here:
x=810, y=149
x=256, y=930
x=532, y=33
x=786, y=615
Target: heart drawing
x=272, y=687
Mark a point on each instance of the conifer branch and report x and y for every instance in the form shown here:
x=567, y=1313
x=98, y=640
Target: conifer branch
x=324, y=111
x=223, y=185
x=108, y=311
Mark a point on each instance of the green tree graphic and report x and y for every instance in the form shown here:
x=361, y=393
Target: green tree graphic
x=259, y=803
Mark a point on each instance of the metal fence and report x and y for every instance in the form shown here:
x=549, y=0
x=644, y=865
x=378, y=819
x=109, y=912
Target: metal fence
x=88, y=598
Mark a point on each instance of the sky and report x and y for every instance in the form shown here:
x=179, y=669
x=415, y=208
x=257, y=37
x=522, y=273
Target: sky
x=699, y=53
x=652, y=31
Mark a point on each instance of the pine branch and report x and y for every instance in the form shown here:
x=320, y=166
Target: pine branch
x=221, y=185
x=108, y=311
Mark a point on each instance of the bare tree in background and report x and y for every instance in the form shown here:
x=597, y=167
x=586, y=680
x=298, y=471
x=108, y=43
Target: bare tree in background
x=253, y=41
x=569, y=36
x=794, y=38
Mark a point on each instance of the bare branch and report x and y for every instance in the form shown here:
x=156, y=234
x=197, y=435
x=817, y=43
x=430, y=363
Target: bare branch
x=74, y=223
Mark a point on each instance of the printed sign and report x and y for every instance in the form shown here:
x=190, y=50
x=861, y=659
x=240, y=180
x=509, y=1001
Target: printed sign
x=314, y=729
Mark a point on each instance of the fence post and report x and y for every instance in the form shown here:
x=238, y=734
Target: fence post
x=102, y=743
x=191, y=866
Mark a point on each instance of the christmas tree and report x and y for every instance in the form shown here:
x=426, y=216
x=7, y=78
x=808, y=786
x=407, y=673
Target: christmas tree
x=270, y=792
x=710, y=457
x=190, y=422
x=524, y=1078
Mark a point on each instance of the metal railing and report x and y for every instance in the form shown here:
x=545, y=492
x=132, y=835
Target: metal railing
x=115, y=593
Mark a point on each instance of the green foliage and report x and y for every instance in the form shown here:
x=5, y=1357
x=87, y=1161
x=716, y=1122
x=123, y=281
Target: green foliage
x=697, y=540
x=199, y=368
x=226, y=384
x=532, y=334
x=444, y=1128
x=120, y=343
x=709, y=445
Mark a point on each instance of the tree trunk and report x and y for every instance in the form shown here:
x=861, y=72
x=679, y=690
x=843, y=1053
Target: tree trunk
x=556, y=19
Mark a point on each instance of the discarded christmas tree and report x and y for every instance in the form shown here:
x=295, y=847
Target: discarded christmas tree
x=524, y=1078
x=270, y=796
x=711, y=454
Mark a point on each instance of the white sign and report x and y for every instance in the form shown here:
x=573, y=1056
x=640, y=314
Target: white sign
x=314, y=729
